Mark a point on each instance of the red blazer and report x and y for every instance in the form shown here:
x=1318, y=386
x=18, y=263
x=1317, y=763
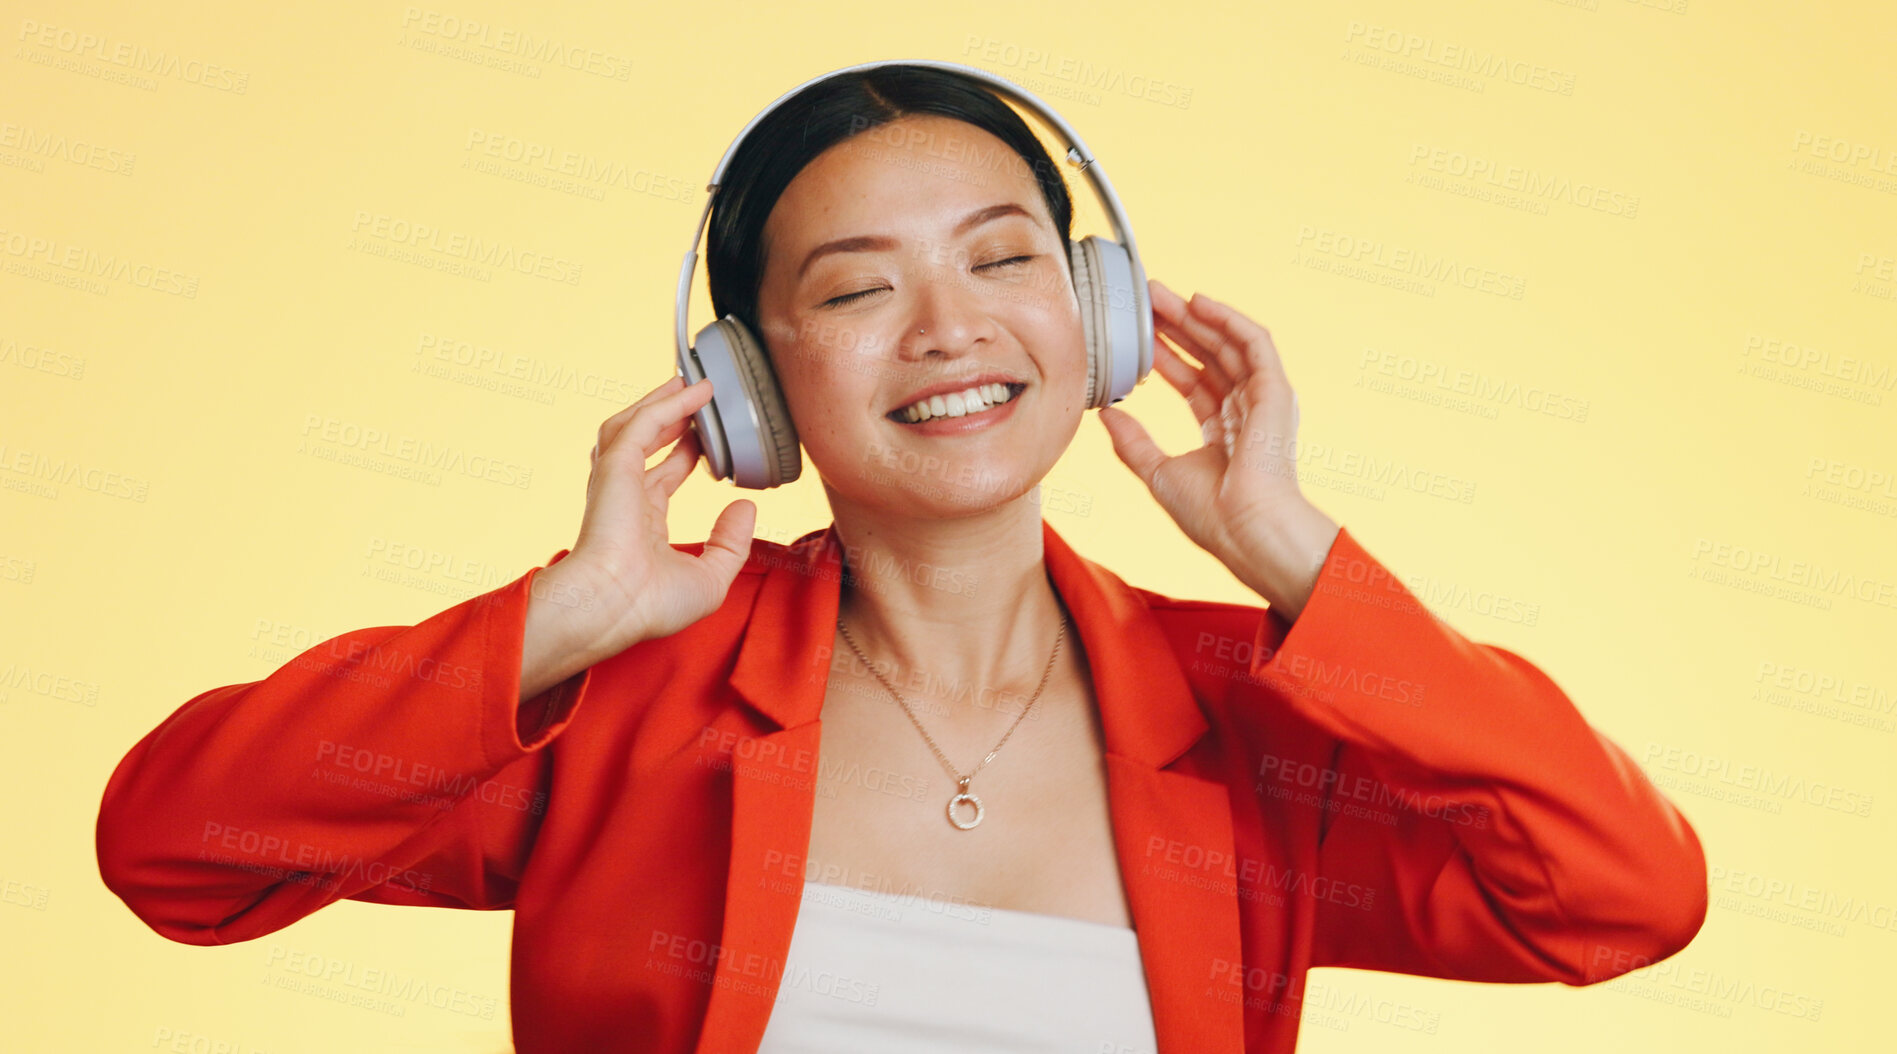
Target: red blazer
x=1364, y=788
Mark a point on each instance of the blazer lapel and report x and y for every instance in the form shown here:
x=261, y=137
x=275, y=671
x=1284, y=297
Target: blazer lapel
x=770, y=831
x=1172, y=831
x=781, y=670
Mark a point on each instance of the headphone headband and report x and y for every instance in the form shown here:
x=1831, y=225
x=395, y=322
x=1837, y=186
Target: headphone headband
x=1077, y=154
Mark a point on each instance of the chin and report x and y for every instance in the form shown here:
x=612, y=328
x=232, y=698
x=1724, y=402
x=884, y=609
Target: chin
x=908, y=482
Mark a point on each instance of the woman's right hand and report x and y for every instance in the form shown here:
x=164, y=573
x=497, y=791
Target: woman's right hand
x=623, y=581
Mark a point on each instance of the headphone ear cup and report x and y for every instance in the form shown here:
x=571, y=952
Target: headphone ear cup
x=778, y=456
x=1112, y=305
x=1085, y=257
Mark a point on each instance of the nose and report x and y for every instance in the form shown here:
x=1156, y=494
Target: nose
x=948, y=317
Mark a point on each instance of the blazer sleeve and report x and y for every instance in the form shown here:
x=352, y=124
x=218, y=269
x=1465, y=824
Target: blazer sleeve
x=1486, y=831
x=389, y=764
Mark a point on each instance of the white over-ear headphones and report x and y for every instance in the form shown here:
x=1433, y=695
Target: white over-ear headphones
x=745, y=429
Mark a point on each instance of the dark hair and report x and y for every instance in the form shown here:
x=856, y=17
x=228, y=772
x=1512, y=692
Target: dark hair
x=823, y=115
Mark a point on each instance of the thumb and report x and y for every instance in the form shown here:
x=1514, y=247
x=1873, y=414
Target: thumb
x=729, y=544
x=1132, y=443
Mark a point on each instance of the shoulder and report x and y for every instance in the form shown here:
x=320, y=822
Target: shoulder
x=1210, y=631
x=1220, y=647
x=1194, y=629
x=1172, y=611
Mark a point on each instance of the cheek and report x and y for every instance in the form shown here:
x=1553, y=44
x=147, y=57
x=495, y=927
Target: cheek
x=1068, y=368
x=827, y=402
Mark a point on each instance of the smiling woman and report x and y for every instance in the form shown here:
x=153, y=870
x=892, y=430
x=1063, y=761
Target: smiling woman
x=896, y=137
x=925, y=779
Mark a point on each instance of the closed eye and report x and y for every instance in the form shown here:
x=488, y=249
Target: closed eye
x=850, y=298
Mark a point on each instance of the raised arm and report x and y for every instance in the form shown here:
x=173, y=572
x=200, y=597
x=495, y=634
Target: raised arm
x=408, y=764
x=1504, y=838
x=393, y=764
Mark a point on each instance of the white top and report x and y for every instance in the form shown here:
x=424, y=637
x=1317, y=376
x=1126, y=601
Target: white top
x=878, y=972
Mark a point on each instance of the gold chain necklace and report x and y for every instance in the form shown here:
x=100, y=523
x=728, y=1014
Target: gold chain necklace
x=961, y=782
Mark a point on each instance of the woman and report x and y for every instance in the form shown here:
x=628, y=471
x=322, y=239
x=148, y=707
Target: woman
x=924, y=779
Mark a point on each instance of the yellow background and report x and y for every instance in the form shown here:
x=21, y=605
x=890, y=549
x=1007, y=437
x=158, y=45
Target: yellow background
x=1705, y=439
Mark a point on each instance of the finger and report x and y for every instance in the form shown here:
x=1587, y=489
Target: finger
x=1265, y=393
x=657, y=442
x=1215, y=368
x=1132, y=443
x=611, y=426
x=670, y=384
x=1211, y=374
x=1173, y=318
x=1182, y=375
x=1252, y=341
x=668, y=474
x=1164, y=300
x=1209, y=344
x=653, y=425
x=680, y=427
x=607, y=435
x=1188, y=380
x=1264, y=440
x=729, y=543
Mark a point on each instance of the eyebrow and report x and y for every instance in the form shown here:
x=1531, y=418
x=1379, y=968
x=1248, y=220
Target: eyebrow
x=884, y=243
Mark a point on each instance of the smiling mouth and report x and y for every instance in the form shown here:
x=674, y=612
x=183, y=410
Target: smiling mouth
x=978, y=399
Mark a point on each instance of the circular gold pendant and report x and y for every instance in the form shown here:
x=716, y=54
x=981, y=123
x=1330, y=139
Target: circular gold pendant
x=964, y=796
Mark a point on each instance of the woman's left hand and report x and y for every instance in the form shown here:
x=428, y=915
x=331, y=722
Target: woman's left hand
x=1237, y=495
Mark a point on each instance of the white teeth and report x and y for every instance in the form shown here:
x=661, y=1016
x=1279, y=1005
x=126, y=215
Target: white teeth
x=956, y=404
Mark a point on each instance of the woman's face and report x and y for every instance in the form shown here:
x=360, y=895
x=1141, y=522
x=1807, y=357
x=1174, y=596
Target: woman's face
x=919, y=257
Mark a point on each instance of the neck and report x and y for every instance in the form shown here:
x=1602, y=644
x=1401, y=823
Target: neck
x=958, y=614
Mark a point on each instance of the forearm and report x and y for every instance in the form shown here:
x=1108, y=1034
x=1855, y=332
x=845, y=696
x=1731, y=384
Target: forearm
x=1569, y=860
x=255, y=804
